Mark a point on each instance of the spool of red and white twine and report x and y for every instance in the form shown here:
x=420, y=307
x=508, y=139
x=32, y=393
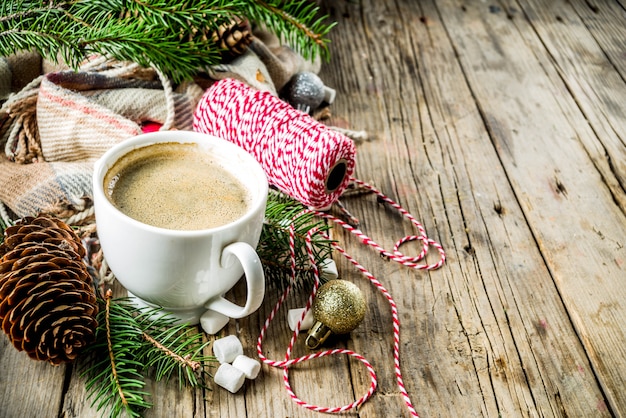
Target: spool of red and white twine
x=301, y=157
x=314, y=165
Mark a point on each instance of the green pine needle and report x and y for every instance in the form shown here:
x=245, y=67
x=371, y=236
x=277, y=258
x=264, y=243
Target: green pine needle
x=171, y=36
x=132, y=343
x=281, y=213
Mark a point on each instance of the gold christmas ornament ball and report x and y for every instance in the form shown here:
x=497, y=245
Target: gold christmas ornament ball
x=339, y=305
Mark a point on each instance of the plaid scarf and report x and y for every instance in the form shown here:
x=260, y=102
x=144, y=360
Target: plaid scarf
x=57, y=126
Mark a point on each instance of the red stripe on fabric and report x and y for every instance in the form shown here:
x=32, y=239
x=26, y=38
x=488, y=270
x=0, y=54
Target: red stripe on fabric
x=87, y=111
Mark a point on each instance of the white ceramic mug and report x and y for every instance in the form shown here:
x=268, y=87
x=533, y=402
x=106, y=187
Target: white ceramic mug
x=186, y=273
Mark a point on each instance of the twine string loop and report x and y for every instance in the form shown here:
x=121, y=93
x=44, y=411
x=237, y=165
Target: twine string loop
x=288, y=361
x=396, y=255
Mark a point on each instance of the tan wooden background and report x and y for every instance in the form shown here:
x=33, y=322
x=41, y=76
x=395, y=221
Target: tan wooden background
x=501, y=125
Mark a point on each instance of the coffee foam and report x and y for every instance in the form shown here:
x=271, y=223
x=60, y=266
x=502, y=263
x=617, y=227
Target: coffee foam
x=176, y=186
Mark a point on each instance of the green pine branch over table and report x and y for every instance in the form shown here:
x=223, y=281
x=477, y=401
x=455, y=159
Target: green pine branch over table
x=175, y=37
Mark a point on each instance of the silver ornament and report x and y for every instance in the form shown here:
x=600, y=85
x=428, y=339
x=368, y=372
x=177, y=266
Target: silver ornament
x=305, y=91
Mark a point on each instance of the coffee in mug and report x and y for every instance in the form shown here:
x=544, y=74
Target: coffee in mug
x=176, y=186
x=179, y=215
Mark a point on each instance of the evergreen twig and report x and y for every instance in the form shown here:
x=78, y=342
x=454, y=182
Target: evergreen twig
x=115, y=378
x=114, y=375
x=283, y=212
x=132, y=343
x=173, y=349
x=172, y=36
x=304, y=15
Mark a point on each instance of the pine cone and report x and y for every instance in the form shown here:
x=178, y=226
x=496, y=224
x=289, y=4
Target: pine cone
x=47, y=302
x=233, y=38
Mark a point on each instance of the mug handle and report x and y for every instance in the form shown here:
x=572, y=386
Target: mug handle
x=255, y=280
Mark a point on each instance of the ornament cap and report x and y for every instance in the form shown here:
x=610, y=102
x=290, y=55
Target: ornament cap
x=329, y=94
x=317, y=335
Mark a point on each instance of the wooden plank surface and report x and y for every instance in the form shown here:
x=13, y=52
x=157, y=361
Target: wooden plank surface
x=501, y=127
x=504, y=272
x=569, y=208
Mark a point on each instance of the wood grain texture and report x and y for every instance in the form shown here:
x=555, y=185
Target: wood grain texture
x=478, y=91
x=27, y=387
x=500, y=126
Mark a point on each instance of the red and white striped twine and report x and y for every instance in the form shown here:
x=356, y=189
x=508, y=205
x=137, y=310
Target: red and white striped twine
x=288, y=361
x=396, y=255
x=297, y=154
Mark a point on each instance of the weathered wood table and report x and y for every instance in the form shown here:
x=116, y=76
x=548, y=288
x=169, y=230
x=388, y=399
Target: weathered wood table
x=501, y=125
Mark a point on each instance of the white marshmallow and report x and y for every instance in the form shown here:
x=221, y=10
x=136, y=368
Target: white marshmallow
x=212, y=322
x=328, y=269
x=227, y=349
x=249, y=366
x=229, y=377
x=294, y=315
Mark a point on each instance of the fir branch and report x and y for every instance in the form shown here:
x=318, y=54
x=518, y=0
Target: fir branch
x=281, y=17
x=133, y=343
x=183, y=361
x=172, y=36
x=282, y=213
x=115, y=376
x=173, y=349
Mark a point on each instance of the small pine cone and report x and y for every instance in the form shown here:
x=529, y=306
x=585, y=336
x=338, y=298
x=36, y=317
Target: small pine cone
x=47, y=303
x=233, y=38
